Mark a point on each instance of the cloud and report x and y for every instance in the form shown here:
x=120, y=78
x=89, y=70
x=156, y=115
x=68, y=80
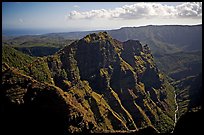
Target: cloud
x=76, y=6
x=143, y=10
x=190, y=9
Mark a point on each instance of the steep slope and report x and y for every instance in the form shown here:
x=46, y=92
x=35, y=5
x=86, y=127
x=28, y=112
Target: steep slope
x=171, y=36
x=180, y=65
x=31, y=107
x=116, y=85
x=189, y=94
x=15, y=58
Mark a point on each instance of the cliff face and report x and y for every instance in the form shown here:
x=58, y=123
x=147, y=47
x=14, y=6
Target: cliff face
x=189, y=94
x=97, y=84
x=29, y=106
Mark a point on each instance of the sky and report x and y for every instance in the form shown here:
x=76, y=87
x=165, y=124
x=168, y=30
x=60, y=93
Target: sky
x=83, y=16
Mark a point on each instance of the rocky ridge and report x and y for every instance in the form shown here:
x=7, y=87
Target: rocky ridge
x=96, y=84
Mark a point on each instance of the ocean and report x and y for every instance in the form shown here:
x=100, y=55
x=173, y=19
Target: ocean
x=21, y=32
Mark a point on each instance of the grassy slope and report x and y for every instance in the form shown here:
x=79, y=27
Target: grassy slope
x=180, y=65
x=15, y=58
x=40, y=45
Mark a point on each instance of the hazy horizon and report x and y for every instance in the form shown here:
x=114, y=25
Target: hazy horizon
x=54, y=17
x=21, y=32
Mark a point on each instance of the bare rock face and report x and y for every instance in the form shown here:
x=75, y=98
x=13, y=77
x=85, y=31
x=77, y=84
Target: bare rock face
x=96, y=84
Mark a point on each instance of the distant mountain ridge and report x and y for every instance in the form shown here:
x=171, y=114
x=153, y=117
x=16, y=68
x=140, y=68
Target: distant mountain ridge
x=161, y=38
x=181, y=64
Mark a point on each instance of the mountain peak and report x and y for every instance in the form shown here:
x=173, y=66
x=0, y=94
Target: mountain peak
x=134, y=45
x=96, y=37
x=115, y=86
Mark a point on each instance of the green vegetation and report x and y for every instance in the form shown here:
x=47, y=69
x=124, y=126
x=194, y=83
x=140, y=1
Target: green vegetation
x=99, y=84
x=180, y=65
x=165, y=124
x=40, y=45
x=15, y=58
x=163, y=39
x=189, y=94
x=38, y=51
x=39, y=70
